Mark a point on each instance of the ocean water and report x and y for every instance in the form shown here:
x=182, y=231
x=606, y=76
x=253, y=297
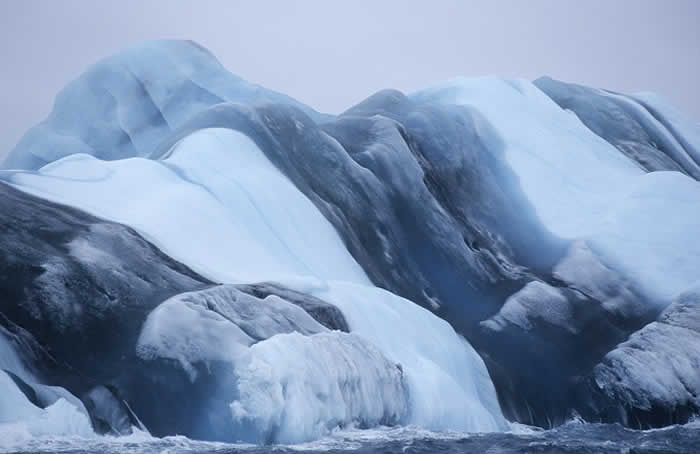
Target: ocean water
x=570, y=438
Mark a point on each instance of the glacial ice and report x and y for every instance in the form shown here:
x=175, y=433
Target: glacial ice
x=658, y=365
x=583, y=188
x=20, y=419
x=218, y=324
x=294, y=379
x=449, y=195
x=124, y=105
x=684, y=130
x=189, y=332
x=566, y=171
x=253, y=225
x=535, y=300
x=296, y=388
x=449, y=386
x=216, y=183
x=654, y=138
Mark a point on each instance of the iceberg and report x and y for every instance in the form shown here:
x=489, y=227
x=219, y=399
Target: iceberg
x=203, y=256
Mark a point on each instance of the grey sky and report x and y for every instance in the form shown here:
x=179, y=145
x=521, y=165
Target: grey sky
x=332, y=54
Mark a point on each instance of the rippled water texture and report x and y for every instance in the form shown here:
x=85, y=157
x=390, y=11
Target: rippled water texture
x=570, y=438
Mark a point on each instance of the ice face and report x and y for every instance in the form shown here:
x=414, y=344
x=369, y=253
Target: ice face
x=685, y=131
x=293, y=380
x=124, y=105
x=449, y=387
x=244, y=209
x=21, y=419
x=583, y=188
x=650, y=138
x=265, y=229
x=656, y=367
x=529, y=221
x=217, y=325
x=295, y=388
x=566, y=171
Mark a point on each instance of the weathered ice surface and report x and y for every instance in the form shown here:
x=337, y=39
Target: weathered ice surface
x=80, y=296
x=554, y=226
x=548, y=333
x=639, y=131
x=67, y=277
x=464, y=259
x=373, y=198
x=291, y=379
x=266, y=230
x=653, y=378
x=74, y=291
x=324, y=313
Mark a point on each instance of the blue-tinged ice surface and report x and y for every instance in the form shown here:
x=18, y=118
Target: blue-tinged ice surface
x=581, y=187
x=218, y=324
x=655, y=364
x=21, y=419
x=647, y=233
x=294, y=388
x=52, y=412
x=644, y=127
x=566, y=171
x=252, y=224
x=683, y=129
x=292, y=379
x=124, y=105
x=552, y=225
x=449, y=386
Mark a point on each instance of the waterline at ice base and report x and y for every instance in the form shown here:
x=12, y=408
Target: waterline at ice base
x=192, y=261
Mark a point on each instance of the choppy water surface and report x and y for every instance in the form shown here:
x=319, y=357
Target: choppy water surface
x=570, y=438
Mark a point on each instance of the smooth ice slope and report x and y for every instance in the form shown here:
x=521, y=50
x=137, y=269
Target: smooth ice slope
x=650, y=234
x=124, y=105
x=566, y=171
x=216, y=203
x=584, y=188
x=654, y=138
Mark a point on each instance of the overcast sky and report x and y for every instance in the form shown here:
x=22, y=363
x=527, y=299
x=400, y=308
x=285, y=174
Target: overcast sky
x=332, y=54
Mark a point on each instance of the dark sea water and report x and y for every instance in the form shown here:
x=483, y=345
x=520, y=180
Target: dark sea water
x=570, y=438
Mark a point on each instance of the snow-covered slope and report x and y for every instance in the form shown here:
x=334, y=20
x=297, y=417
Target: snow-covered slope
x=547, y=223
